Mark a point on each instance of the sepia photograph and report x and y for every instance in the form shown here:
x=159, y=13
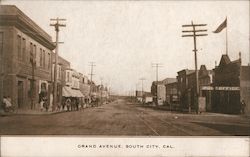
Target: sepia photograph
x=141, y=77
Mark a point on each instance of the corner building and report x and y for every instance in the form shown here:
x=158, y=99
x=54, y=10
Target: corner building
x=25, y=54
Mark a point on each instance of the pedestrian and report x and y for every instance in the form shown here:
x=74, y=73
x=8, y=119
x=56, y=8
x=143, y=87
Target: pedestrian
x=243, y=106
x=51, y=102
x=45, y=104
x=77, y=103
x=68, y=104
x=6, y=103
x=41, y=102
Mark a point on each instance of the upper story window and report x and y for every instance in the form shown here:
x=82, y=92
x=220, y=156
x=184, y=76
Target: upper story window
x=40, y=58
x=1, y=43
x=49, y=60
x=19, y=55
x=34, y=51
x=23, y=49
x=67, y=76
x=44, y=58
x=31, y=57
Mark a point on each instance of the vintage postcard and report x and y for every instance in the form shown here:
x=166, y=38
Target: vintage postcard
x=124, y=78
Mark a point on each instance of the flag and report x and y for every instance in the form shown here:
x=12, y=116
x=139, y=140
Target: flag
x=221, y=27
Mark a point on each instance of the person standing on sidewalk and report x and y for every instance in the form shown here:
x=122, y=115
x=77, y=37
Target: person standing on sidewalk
x=68, y=103
x=41, y=100
x=243, y=106
x=51, y=102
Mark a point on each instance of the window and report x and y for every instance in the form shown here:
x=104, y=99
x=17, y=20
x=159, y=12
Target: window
x=31, y=57
x=59, y=72
x=43, y=65
x=67, y=77
x=49, y=60
x=41, y=58
x=34, y=53
x=19, y=47
x=1, y=44
x=23, y=49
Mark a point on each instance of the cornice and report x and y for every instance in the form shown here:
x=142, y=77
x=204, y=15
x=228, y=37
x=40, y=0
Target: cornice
x=28, y=27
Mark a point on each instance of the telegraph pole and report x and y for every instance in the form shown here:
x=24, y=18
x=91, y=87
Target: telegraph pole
x=195, y=33
x=57, y=24
x=142, y=79
x=156, y=65
x=92, y=64
x=101, y=89
x=2, y=68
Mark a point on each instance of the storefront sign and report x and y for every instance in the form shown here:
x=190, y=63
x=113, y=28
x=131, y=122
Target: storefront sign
x=220, y=88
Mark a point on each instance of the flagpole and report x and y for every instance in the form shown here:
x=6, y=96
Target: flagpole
x=226, y=39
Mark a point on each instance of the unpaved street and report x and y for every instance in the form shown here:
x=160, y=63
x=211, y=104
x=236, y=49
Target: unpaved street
x=123, y=117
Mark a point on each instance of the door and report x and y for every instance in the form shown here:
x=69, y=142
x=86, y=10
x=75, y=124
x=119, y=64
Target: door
x=20, y=94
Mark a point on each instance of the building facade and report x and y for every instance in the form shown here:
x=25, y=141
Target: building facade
x=158, y=90
x=205, y=80
x=62, y=66
x=183, y=88
x=85, y=88
x=172, y=97
x=226, y=88
x=26, y=60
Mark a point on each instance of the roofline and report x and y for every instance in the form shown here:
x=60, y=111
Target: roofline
x=10, y=15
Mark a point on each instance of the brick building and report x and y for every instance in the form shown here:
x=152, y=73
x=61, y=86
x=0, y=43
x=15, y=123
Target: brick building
x=25, y=53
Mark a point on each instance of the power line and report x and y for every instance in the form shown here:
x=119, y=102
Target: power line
x=57, y=25
x=195, y=33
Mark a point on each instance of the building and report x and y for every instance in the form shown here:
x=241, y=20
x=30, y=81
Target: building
x=245, y=87
x=139, y=95
x=183, y=89
x=205, y=80
x=231, y=85
x=158, y=89
x=172, y=97
x=85, y=87
x=25, y=53
x=72, y=85
x=147, y=98
x=62, y=66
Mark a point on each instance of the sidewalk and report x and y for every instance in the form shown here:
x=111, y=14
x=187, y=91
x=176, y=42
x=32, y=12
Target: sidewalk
x=30, y=112
x=166, y=108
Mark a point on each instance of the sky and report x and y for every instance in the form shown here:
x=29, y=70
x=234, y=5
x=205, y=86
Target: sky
x=124, y=38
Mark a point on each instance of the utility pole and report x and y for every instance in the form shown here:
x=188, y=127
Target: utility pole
x=195, y=33
x=92, y=64
x=142, y=79
x=101, y=89
x=156, y=65
x=57, y=24
x=2, y=69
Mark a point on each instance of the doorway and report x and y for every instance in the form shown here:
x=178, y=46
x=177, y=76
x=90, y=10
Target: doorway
x=20, y=94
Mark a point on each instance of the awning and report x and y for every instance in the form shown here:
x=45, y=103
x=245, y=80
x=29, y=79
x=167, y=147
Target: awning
x=68, y=92
x=77, y=93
